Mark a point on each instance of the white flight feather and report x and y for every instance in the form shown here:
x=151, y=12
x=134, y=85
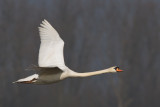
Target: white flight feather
x=51, y=48
x=29, y=78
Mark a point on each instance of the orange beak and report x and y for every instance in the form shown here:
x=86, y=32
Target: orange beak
x=119, y=70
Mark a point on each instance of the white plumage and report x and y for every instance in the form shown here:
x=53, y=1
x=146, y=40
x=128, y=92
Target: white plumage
x=51, y=67
x=51, y=48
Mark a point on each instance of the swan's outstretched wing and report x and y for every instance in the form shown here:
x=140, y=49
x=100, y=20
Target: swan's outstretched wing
x=51, y=47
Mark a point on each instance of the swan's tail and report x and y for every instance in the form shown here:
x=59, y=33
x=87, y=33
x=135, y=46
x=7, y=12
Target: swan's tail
x=28, y=80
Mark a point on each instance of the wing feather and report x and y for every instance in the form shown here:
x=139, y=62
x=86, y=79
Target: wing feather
x=51, y=47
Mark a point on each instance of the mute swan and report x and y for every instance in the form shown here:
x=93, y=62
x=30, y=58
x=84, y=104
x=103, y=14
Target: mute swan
x=51, y=67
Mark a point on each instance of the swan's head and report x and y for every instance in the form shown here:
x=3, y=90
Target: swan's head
x=117, y=69
x=114, y=69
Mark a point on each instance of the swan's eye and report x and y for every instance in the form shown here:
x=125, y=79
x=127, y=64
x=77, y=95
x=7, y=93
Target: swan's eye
x=116, y=68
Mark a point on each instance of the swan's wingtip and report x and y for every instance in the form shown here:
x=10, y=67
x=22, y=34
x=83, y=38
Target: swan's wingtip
x=44, y=21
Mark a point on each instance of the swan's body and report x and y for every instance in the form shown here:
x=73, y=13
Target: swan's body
x=51, y=63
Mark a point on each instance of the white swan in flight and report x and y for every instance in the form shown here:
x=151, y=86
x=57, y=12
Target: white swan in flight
x=51, y=67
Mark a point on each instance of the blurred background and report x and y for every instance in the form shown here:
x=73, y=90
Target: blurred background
x=97, y=34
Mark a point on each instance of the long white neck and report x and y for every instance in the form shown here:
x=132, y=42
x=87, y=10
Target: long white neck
x=76, y=74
